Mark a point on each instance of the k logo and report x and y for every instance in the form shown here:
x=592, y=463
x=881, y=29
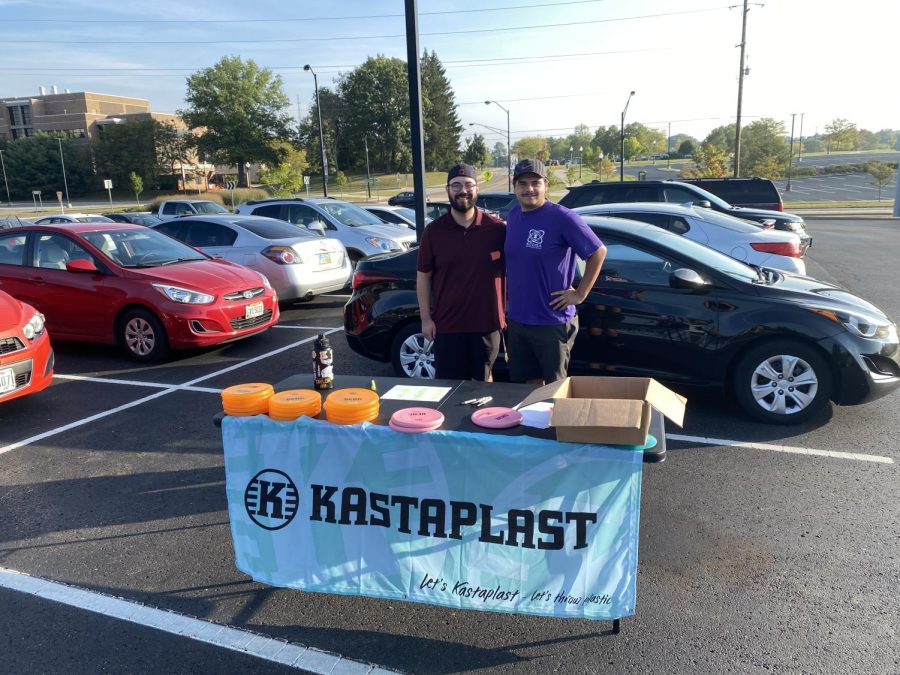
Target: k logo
x=271, y=499
x=535, y=239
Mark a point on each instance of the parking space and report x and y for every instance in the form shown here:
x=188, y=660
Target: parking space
x=759, y=544
x=851, y=187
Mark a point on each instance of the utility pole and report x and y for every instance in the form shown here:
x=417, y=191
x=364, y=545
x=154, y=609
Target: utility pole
x=415, y=112
x=790, y=154
x=368, y=175
x=669, y=148
x=800, y=140
x=737, y=131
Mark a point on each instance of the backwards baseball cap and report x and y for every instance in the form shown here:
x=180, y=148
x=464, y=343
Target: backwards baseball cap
x=534, y=166
x=462, y=171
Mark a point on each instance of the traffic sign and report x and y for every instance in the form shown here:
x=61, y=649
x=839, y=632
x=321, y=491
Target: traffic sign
x=306, y=180
x=107, y=184
x=230, y=184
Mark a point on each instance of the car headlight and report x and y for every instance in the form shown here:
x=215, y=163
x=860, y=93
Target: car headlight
x=184, y=295
x=265, y=279
x=384, y=244
x=34, y=327
x=862, y=325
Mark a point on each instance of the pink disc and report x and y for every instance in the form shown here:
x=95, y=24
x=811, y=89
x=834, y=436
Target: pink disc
x=410, y=430
x=418, y=418
x=497, y=418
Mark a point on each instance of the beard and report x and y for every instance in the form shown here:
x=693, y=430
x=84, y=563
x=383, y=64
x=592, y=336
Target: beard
x=463, y=202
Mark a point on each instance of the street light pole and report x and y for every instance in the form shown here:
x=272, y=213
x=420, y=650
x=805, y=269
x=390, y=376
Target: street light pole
x=800, y=140
x=5, y=182
x=368, y=176
x=508, y=148
x=321, y=135
x=622, y=141
x=790, y=154
x=65, y=182
x=580, y=160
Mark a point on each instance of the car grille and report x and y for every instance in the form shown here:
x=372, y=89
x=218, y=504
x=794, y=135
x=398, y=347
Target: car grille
x=246, y=295
x=240, y=323
x=10, y=344
x=22, y=379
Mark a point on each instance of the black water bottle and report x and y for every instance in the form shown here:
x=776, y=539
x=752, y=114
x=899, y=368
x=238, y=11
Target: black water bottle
x=323, y=363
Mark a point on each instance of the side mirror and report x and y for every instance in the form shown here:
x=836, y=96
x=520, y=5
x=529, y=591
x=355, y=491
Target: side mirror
x=703, y=203
x=318, y=227
x=688, y=279
x=81, y=266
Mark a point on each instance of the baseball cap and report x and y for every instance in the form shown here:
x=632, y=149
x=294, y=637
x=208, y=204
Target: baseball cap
x=462, y=170
x=534, y=166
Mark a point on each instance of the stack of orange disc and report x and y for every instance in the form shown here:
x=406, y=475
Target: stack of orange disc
x=351, y=406
x=247, y=399
x=286, y=406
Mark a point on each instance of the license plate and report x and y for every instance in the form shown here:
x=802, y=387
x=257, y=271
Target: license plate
x=253, y=310
x=324, y=258
x=7, y=380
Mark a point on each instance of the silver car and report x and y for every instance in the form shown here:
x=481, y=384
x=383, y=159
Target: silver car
x=298, y=264
x=394, y=215
x=740, y=239
x=361, y=233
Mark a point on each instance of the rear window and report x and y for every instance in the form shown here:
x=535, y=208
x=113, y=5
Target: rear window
x=743, y=191
x=728, y=222
x=277, y=229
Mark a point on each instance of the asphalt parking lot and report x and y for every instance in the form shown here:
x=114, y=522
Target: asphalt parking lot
x=761, y=548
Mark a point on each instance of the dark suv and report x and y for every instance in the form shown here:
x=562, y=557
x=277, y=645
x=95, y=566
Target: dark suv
x=498, y=202
x=679, y=193
x=753, y=193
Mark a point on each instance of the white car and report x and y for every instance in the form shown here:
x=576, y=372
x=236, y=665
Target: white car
x=740, y=239
x=297, y=263
x=395, y=215
x=73, y=218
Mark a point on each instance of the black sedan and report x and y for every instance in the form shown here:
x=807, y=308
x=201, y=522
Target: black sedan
x=405, y=198
x=683, y=313
x=139, y=218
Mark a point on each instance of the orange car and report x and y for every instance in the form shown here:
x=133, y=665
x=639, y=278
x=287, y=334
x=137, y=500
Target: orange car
x=26, y=358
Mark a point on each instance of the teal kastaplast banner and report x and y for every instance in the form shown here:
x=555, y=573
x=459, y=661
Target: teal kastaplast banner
x=464, y=520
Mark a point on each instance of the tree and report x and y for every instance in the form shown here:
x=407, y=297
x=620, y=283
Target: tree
x=632, y=147
x=286, y=177
x=604, y=167
x=33, y=163
x=723, y=138
x=710, y=161
x=606, y=139
x=533, y=147
x=841, y=134
x=376, y=101
x=571, y=174
x=173, y=148
x=881, y=172
x=762, y=142
x=488, y=177
x=341, y=181
x=137, y=186
x=476, y=152
x=676, y=141
x=242, y=109
x=123, y=149
x=498, y=154
x=768, y=166
x=687, y=148
x=440, y=120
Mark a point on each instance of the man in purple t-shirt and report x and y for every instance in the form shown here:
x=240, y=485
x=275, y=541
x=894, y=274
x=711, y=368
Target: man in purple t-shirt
x=542, y=242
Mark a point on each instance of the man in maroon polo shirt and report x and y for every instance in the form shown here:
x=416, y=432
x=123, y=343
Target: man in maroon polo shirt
x=460, y=283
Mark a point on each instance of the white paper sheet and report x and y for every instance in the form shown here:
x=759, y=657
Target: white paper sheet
x=537, y=415
x=411, y=392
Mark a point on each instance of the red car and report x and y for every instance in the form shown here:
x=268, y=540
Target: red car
x=26, y=359
x=116, y=283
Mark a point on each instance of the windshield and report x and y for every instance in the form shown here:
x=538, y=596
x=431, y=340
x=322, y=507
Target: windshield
x=269, y=228
x=209, y=207
x=141, y=248
x=711, y=198
x=348, y=214
x=680, y=246
x=729, y=222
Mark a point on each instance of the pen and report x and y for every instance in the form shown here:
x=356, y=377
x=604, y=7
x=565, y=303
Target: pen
x=480, y=402
x=471, y=401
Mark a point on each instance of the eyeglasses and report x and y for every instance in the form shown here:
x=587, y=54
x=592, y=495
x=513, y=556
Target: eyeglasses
x=460, y=187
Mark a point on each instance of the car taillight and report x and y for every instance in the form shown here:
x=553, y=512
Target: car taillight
x=780, y=207
x=788, y=248
x=368, y=277
x=283, y=255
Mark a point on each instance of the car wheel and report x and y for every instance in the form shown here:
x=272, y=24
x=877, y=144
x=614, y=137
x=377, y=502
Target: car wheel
x=142, y=335
x=412, y=355
x=782, y=382
x=355, y=257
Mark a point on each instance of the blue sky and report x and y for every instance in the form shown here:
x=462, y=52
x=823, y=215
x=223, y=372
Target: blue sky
x=553, y=64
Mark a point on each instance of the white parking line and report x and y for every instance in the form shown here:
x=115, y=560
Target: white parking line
x=235, y=639
x=781, y=448
x=135, y=383
x=304, y=327
x=335, y=295
x=171, y=388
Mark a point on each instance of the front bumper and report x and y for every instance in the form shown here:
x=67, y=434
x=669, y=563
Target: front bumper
x=299, y=281
x=866, y=370
x=32, y=368
x=192, y=326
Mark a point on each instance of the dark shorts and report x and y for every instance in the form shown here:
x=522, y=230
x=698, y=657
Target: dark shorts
x=540, y=352
x=465, y=356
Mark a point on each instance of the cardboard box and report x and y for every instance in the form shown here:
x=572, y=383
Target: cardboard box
x=614, y=410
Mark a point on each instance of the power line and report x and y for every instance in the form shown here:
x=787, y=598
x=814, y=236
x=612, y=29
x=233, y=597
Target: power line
x=508, y=29
x=542, y=5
